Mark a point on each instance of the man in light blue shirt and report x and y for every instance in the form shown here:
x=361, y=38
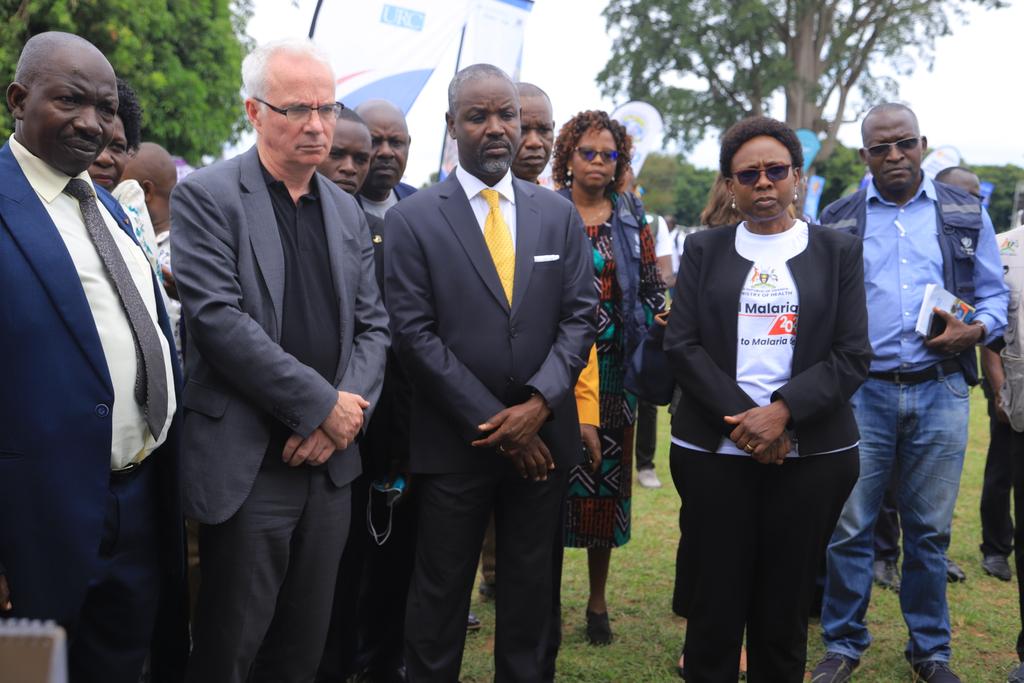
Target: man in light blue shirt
x=912, y=410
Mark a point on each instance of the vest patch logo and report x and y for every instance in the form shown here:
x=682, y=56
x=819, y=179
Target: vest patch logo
x=784, y=324
x=968, y=244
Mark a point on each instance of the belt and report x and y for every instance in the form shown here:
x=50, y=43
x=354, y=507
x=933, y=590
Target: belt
x=128, y=470
x=949, y=366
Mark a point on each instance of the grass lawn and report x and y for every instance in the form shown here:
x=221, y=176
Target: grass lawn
x=648, y=636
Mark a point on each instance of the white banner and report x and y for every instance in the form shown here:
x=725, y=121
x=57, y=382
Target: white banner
x=494, y=35
x=940, y=158
x=387, y=49
x=644, y=125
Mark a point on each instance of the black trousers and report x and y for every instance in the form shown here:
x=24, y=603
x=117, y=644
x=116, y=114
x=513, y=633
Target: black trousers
x=453, y=512
x=1017, y=470
x=752, y=540
x=109, y=641
x=646, y=434
x=996, y=526
x=268, y=579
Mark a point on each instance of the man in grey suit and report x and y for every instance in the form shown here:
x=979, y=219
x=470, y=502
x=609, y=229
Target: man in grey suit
x=288, y=336
x=490, y=289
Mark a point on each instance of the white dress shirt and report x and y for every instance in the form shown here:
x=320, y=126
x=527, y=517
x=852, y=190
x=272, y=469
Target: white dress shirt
x=472, y=186
x=130, y=439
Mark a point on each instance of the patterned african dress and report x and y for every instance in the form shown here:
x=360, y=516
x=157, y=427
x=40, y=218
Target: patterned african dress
x=598, y=505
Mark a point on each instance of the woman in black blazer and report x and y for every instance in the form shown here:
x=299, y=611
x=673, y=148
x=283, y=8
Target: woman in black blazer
x=768, y=340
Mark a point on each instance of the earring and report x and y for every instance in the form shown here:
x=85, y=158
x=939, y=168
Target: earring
x=734, y=203
x=796, y=197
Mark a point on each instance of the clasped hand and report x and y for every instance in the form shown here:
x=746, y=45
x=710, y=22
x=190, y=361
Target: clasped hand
x=762, y=432
x=338, y=430
x=514, y=434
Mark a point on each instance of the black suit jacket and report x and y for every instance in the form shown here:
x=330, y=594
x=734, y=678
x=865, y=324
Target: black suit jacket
x=830, y=358
x=468, y=354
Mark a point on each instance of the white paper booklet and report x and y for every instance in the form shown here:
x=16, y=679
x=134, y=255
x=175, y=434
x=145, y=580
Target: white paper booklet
x=930, y=325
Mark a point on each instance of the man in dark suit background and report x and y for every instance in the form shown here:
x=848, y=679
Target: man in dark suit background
x=92, y=533
x=288, y=337
x=383, y=187
x=493, y=307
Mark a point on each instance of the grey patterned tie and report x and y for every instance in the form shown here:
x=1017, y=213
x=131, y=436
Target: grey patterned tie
x=150, y=374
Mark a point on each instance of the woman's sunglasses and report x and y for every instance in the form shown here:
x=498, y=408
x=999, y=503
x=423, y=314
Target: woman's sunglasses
x=591, y=154
x=773, y=173
x=882, y=150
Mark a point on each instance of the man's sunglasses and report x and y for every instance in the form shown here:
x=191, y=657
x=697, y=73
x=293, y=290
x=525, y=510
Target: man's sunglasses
x=591, y=154
x=773, y=173
x=883, y=149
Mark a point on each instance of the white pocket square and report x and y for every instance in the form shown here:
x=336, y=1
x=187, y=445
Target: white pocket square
x=544, y=258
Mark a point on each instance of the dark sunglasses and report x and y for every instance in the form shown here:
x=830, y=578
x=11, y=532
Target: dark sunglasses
x=773, y=173
x=883, y=149
x=591, y=154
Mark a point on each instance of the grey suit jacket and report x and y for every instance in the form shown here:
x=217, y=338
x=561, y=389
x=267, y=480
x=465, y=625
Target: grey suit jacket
x=229, y=267
x=468, y=353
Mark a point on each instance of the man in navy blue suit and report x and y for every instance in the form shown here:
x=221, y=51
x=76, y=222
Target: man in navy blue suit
x=92, y=533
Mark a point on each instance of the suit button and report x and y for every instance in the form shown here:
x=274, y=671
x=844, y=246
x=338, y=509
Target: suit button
x=102, y=410
x=512, y=333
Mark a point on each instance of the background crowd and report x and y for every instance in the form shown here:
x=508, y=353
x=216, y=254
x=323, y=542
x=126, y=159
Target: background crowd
x=351, y=389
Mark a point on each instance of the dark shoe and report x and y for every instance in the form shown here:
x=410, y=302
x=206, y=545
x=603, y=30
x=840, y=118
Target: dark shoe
x=1017, y=675
x=383, y=674
x=935, y=672
x=834, y=668
x=472, y=623
x=599, y=631
x=487, y=590
x=887, y=574
x=954, y=574
x=997, y=566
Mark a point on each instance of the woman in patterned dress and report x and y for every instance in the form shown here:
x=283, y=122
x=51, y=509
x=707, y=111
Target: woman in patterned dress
x=591, y=159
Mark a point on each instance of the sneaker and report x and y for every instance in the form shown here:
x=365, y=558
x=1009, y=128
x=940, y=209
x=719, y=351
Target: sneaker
x=887, y=574
x=472, y=622
x=997, y=566
x=1017, y=675
x=648, y=478
x=834, y=668
x=935, y=672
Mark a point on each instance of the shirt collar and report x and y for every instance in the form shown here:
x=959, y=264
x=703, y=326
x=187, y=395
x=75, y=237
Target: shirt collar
x=473, y=185
x=47, y=181
x=925, y=189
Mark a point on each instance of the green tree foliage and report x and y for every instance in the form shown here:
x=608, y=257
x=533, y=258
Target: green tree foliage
x=675, y=187
x=706, y=64
x=182, y=57
x=842, y=172
x=1005, y=178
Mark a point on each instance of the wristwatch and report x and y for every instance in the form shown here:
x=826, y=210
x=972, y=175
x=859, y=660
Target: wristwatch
x=984, y=330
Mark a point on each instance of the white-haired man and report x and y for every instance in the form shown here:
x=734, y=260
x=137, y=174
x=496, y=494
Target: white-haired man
x=287, y=339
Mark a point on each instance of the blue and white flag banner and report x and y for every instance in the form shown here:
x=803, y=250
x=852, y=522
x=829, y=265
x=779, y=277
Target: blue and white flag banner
x=387, y=49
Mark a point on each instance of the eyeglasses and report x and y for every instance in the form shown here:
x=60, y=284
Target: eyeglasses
x=591, y=154
x=773, y=173
x=300, y=113
x=883, y=149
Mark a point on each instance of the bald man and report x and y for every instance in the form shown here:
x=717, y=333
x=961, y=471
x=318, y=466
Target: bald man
x=92, y=527
x=389, y=134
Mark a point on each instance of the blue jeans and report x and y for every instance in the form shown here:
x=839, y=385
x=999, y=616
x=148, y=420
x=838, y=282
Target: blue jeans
x=920, y=431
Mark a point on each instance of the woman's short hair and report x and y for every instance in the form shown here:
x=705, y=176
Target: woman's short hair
x=569, y=137
x=254, y=66
x=756, y=126
x=130, y=112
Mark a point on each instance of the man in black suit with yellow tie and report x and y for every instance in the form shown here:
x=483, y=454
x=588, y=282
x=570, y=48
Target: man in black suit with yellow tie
x=493, y=306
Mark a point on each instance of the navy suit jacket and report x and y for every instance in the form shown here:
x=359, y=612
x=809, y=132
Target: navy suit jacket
x=55, y=399
x=466, y=351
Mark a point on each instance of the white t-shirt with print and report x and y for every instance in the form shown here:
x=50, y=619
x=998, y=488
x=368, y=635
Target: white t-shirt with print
x=769, y=308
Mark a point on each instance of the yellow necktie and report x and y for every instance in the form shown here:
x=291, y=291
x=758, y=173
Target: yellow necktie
x=499, y=242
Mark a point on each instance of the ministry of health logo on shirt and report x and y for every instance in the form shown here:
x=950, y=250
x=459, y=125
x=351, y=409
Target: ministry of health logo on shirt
x=764, y=279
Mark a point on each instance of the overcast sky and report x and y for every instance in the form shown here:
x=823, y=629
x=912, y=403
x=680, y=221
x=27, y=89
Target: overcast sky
x=972, y=99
